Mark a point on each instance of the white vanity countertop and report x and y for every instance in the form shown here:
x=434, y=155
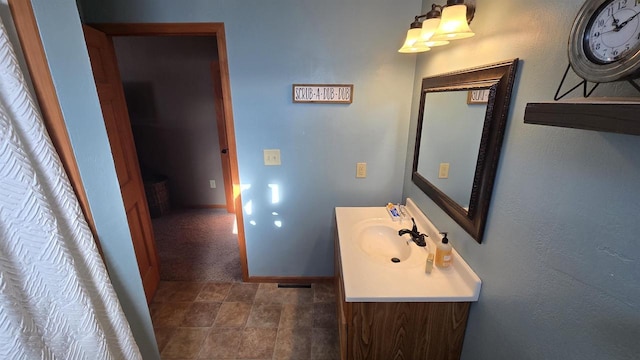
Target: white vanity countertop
x=370, y=280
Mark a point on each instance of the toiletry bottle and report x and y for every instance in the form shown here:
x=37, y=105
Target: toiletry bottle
x=429, y=264
x=394, y=212
x=443, y=252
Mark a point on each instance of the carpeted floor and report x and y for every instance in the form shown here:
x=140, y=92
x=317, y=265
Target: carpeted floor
x=197, y=245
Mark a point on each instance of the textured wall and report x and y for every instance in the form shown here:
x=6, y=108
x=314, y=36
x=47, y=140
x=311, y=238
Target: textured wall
x=175, y=127
x=560, y=262
x=272, y=45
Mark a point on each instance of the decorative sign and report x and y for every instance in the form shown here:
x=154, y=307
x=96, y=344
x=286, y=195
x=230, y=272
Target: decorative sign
x=323, y=93
x=478, y=96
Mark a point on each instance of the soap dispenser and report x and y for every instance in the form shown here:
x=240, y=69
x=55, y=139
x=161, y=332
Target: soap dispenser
x=443, y=252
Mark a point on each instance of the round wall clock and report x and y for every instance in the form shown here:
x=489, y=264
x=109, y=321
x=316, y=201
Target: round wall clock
x=604, y=44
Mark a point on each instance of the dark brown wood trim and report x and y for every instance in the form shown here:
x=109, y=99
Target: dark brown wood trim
x=201, y=29
x=500, y=78
x=290, y=280
x=33, y=50
x=616, y=117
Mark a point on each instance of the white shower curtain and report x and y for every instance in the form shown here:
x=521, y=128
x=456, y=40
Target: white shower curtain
x=56, y=300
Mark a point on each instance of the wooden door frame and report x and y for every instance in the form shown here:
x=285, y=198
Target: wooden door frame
x=108, y=83
x=200, y=29
x=222, y=136
x=29, y=35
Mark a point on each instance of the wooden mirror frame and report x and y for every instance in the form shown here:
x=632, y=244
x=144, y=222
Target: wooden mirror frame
x=499, y=78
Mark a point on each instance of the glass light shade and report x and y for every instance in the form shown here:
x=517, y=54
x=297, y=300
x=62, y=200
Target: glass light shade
x=429, y=27
x=453, y=24
x=413, y=43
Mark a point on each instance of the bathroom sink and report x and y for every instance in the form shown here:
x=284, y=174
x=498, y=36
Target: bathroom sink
x=380, y=240
x=367, y=240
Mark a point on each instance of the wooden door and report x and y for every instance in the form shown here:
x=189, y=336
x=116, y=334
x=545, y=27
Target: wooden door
x=222, y=134
x=116, y=119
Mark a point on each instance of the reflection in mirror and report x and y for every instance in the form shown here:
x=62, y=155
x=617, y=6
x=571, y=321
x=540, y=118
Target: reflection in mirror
x=459, y=138
x=450, y=141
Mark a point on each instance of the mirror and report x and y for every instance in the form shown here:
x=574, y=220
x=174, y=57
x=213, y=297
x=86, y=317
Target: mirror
x=450, y=142
x=461, y=124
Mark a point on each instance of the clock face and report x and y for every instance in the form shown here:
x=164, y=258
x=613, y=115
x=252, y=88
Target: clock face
x=613, y=32
x=604, y=43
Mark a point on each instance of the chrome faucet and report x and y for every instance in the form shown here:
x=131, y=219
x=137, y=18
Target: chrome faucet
x=416, y=236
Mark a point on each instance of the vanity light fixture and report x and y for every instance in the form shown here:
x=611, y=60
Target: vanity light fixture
x=414, y=43
x=439, y=26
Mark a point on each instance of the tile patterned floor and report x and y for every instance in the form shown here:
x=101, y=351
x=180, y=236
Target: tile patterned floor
x=200, y=320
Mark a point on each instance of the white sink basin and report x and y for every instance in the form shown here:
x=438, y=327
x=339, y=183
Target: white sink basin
x=368, y=240
x=379, y=239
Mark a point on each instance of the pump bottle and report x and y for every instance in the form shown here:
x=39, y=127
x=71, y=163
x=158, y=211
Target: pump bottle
x=443, y=252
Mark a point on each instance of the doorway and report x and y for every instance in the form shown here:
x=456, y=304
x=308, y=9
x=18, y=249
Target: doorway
x=217, y=70
x=172, y=89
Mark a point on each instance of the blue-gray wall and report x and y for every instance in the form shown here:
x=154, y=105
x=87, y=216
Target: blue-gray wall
x=560, y=263
x=272, y=45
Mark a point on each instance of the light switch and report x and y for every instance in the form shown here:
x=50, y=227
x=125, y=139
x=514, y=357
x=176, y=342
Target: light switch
x=271, y=156
x=361, y=170
x=212, y=184
x=443, y=172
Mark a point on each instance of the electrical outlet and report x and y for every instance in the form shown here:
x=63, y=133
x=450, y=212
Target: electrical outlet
x=271, y=156
x=212, y=184
x=361, y=170
x=443, y=172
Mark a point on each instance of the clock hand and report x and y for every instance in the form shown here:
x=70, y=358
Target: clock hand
x=615, y=21
x=623, y=24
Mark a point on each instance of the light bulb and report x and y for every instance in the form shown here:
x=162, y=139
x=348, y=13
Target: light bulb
x=453, y=24
x=429, y=27
x=413, y=42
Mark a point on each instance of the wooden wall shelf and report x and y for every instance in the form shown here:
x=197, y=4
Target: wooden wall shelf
x=618, y=115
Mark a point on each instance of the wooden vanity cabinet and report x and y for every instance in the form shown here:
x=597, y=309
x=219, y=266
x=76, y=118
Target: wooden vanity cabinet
x=398, y=330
